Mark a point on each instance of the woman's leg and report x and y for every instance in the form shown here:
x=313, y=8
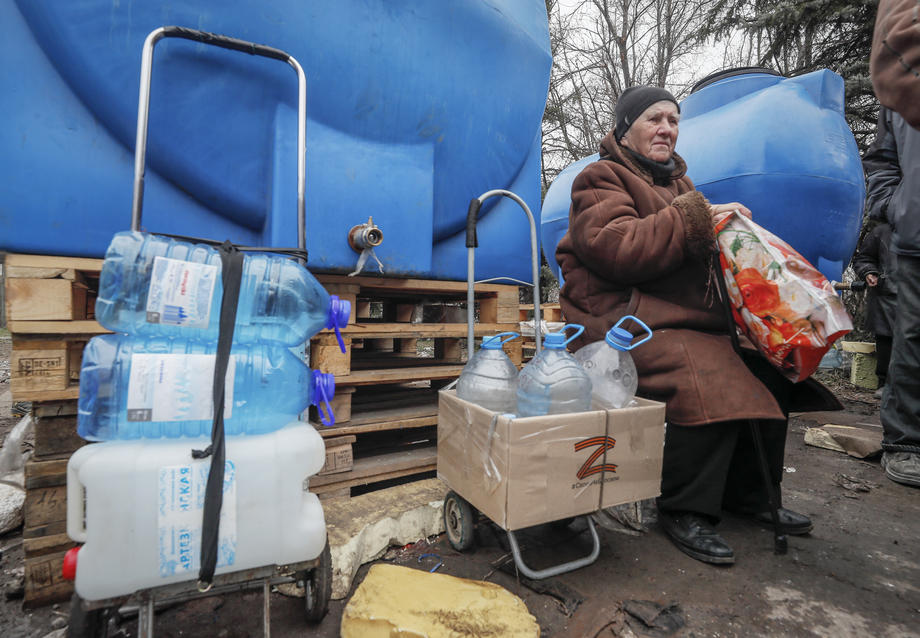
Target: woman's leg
x=695, y=467
x=744, y=487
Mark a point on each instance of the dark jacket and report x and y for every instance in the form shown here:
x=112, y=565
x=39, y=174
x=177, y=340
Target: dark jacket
x=633, y=247
x=892, y=167
x=873, y=257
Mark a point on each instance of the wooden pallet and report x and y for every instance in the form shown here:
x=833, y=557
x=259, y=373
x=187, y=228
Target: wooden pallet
x=50, y=309
x=393, y=436
x=45, y=539
x=407, y=331
x=548, y=312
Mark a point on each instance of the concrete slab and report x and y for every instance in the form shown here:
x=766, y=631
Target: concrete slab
x=362, y=528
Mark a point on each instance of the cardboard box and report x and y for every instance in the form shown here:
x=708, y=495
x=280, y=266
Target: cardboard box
x=526, y=471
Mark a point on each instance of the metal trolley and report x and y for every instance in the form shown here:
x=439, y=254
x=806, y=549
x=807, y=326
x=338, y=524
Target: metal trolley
x=459, y=514
x=90, y=618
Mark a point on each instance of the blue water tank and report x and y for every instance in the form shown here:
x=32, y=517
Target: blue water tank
x=781, y=146
x=414, y=108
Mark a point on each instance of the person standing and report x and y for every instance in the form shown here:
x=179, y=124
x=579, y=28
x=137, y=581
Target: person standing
x=894, y=67
x=873, y=263
x=893, y=167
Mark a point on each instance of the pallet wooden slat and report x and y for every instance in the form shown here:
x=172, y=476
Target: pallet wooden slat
x=379, y=468
x=44, y=583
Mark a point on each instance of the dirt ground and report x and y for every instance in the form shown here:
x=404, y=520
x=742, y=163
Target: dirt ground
x=857, y=574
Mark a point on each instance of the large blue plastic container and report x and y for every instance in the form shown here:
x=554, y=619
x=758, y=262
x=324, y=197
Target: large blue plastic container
x=414, y=108
x=781, y=146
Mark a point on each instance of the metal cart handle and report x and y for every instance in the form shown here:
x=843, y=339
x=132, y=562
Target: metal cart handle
x=143, y=109
x=472, y=242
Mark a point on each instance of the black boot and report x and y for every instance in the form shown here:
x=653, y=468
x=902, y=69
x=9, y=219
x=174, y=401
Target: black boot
x=792, y=522
x=693, y=534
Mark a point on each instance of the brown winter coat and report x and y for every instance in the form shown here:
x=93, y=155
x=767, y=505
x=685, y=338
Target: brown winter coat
x=635, y=248
x=894, y=62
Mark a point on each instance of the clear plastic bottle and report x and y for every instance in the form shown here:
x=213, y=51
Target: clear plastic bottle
x=611, y=367
x=554, y=382
x=489, y=378
x=156, y=286
x=135, y=387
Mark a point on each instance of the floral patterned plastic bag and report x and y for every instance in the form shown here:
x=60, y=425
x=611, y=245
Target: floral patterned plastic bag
x=780, y=301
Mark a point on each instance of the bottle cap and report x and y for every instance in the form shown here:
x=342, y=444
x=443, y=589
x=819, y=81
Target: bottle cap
x=619, y=338
x=69, y=567
x=559, y=340
x=339, y=312
x=495, y=342
x=323, y=390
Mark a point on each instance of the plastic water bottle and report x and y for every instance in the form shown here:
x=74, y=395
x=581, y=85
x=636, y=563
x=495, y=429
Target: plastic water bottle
x=554, y=382
x=611, y=367
x=135, y=387
x=157, y=286
x=489, y=379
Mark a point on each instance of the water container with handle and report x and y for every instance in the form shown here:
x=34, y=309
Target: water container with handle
x=159, y=286
x=554, y=382
x=137, y=506
x=489, y=379
x=611, y=367
x=132, y=387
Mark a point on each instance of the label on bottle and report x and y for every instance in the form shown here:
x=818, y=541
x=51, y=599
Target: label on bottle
x=176, y=387
x=179, y=515
x=181, y=292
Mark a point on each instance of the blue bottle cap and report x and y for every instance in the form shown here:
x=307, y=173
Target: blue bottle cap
x=619, y=338
x=559, y=340
x=323, y=389
x=495, y=342
x=554, y=340
x=491, y=343
x=339, y=312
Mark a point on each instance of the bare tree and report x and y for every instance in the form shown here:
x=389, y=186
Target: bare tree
x=602, y=47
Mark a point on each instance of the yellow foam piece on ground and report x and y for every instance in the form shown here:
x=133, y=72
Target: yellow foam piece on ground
x=401, y=602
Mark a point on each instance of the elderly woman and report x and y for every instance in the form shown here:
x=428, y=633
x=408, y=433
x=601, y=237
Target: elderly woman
x=641, y=242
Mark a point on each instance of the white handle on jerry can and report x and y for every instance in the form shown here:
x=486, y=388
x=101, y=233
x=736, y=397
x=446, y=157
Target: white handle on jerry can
x=76, y=505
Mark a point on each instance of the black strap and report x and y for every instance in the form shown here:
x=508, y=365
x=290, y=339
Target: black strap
x=719, y=275
x=297, y=253
x=232, y=275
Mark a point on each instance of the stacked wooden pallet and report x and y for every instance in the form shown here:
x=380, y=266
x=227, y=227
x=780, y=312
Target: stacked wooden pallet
x=551, y=318
x=49, y=308
x=406, y=339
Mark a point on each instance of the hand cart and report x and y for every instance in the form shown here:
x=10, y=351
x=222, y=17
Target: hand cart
x=90, y=618
x=459, y=514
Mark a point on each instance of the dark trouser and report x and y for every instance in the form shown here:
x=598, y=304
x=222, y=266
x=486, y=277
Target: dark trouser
x=901, y=402
x=710, y=467
x=882, y=357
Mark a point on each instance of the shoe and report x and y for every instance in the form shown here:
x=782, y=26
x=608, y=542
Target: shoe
x=792, y=522
x=902, y=467
x=695, y=537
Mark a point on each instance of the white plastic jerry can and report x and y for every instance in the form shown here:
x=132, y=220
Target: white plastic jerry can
x=137, y=508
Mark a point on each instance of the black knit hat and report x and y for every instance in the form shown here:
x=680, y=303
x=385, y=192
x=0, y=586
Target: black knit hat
x=634, y=101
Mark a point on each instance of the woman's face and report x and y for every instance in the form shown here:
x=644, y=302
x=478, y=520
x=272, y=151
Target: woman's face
x=654, y=134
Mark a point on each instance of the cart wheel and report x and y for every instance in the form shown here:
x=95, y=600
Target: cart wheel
x=317, y=587
x=86, y=624
x=458, y=521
